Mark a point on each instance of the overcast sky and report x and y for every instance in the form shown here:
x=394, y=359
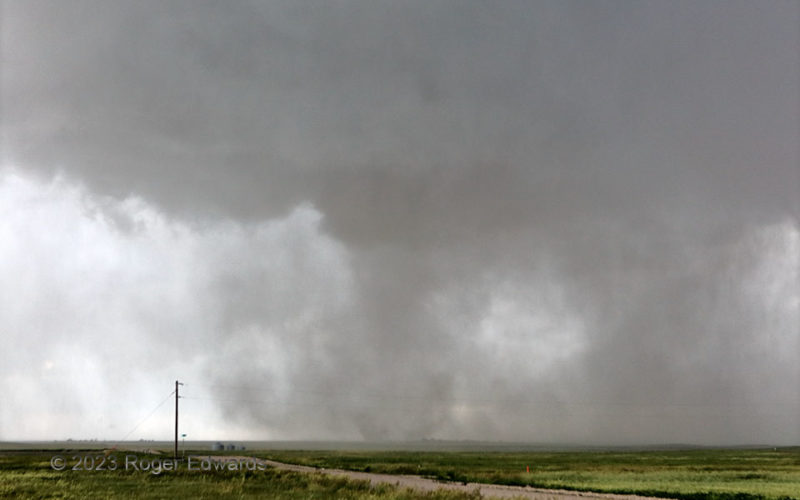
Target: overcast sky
x=540, y=221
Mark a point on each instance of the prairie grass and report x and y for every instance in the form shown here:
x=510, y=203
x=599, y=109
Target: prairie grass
x=29, y=475
x=705, y=474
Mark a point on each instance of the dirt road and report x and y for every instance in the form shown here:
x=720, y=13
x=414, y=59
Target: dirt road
x=424, y=484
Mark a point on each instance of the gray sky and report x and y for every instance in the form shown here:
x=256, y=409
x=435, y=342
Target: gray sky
x=540, y=221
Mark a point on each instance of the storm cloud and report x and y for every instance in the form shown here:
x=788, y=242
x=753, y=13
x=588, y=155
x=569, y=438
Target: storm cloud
x=540, y=221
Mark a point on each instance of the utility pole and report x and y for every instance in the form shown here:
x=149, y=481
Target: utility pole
x=176, y=418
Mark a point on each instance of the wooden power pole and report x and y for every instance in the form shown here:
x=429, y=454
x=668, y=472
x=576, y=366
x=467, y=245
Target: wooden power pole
x=176, y=418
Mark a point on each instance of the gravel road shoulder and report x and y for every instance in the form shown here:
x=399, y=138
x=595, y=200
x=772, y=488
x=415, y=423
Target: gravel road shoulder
x=425, y=484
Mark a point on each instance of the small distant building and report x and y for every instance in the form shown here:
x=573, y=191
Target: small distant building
x=218, y=446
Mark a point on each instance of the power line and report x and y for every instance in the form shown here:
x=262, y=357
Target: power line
x=159, y=405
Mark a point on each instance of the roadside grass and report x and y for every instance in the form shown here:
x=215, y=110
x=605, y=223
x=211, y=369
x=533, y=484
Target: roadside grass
x=29, y=475
x=705, y=474
x=725, y=474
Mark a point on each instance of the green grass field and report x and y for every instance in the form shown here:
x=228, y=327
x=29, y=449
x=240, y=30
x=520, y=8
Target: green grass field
x=28, y=475
x=692, y=474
